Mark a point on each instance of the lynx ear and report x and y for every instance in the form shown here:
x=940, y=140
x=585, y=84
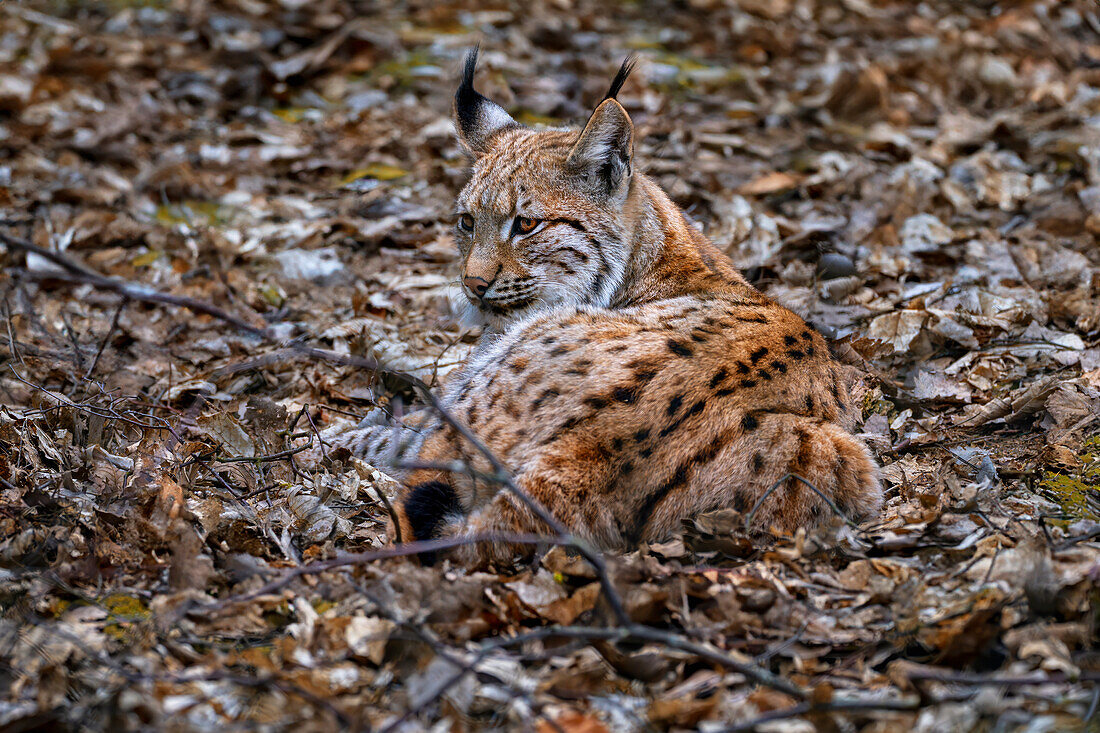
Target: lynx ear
x=605, y=149
x=477, y=119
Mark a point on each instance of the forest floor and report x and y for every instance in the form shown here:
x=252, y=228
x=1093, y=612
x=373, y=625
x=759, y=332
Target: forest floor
x=919, y=180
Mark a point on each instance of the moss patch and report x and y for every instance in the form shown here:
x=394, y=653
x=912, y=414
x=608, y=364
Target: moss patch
x=189, y=212
x=125, y=611
x=1078, y=493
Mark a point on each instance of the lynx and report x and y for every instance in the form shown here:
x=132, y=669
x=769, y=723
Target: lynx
x=637, y=378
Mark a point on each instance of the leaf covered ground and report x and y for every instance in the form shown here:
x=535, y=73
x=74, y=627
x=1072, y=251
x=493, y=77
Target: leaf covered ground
x=920, y=180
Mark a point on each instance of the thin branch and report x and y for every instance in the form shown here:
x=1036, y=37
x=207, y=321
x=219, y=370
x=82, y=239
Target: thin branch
x=129, y=290
x=11, y=333
x=640, y=632
x=280, y=456
x=109, y=414
x=446, y=652
x=835, y=706
x=106, y=337
x=461, y=670
x=500, y=474
x=149, y=295
x=992, y=680
x=1091, y=535
x=832, y=505
x=185, y=678
x=630, y=631
x=78, y=357
x=360, y=558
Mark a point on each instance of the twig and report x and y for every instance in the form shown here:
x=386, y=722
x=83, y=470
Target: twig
x=77, y=356
x=992, y=564
x=448, y=347
x=11, y=334
x=1093, y=534
x=107, y=414
x=252, y=515
x=149, y=295
x=393, y=514
x=132, y=291
x=431, y=639
x=106, y=337
x=665, y=638
x=359, y=558
x=309, y=418
x=630, y=631
x=983, y=680
x=446, y=467
x=836, y=706
x=785, y=644
x=500, y=474
x=280, y=456
x=759, y=502
x=186, y=678
x=462, y=669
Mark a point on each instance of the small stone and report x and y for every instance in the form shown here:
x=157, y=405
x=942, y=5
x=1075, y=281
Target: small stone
x=319, y=265
x=924, y=233
x=833, y=265
x=365, y=100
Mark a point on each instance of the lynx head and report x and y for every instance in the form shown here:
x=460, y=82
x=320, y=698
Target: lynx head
x=541, y=221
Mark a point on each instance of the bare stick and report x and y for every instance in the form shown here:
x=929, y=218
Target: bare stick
x=444, y=651
x=629, y=631
x=501, y=475
x=78, y=358
x=1091, y=713
x=359, y=558
x=149, y=295
x=806, y=708
x=11, y=333
x=130, y=290
x=1091, y=535
x=261, y=681
x=669, y=639
x=280, y=456
x=106, y=337
x=759, y=502
x=110, y=414
x=992, y=680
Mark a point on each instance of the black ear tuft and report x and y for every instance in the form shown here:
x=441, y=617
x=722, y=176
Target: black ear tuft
x=467, y=99
x=470, y=67
x=477, y=118
x=617, y=83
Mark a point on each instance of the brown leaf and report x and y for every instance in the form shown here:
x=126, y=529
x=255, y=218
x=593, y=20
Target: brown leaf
x=770, y=183
x=189, y=567
x=572, y=721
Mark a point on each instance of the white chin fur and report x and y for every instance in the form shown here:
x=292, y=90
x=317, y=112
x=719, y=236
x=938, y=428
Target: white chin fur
x=467, y=315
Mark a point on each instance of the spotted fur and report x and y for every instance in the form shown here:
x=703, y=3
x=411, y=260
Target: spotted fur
x=635, y=378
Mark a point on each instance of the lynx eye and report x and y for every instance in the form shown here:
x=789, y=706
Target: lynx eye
x=525, y=225
x=466, y=223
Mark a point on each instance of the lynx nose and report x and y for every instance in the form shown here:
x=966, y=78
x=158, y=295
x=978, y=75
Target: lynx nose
x=475, y=285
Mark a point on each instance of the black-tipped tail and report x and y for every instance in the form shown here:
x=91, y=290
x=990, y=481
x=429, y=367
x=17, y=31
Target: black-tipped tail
x=428, y=507
x=624, y=71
